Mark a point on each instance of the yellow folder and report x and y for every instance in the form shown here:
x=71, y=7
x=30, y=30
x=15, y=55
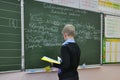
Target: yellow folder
x=45, y=58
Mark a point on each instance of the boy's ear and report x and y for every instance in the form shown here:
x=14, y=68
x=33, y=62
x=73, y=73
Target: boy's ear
x=65, y=34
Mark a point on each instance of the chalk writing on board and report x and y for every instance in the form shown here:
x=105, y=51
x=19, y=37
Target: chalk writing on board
x=13, y=23
x=87, y=32
x=62, y=10
x=47, y=32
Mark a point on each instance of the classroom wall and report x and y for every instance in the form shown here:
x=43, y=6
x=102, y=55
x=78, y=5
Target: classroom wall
x=105, y=72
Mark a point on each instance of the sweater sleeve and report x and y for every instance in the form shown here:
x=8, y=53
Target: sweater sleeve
x=65, y=57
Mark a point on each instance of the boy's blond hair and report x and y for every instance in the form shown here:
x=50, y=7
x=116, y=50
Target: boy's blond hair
x=69, y=29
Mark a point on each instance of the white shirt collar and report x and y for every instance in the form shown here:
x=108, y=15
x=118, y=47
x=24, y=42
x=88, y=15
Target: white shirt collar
x=69, y=40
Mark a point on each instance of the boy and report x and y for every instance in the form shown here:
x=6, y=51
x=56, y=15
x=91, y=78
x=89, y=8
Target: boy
x=70, y=55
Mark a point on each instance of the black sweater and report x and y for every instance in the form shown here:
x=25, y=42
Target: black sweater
x=70, y=55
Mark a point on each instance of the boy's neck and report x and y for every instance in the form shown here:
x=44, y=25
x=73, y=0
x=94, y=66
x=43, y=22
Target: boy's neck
x=69, y=37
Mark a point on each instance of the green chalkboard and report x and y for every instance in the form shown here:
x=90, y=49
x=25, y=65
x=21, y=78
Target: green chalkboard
x=10, y=35
x=43, y=25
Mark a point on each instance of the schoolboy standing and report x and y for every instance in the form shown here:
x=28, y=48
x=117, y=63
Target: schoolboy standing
x=70, y=55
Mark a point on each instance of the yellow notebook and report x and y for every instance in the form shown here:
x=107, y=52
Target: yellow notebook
x=45, y=58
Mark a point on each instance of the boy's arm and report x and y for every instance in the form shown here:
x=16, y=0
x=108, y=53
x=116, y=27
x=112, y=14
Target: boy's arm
x=65, y=57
